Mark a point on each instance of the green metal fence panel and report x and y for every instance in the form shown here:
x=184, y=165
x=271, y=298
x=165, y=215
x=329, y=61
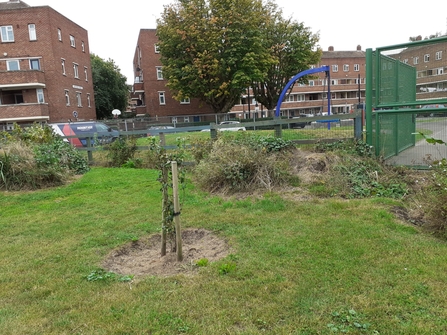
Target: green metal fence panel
x=393, y=133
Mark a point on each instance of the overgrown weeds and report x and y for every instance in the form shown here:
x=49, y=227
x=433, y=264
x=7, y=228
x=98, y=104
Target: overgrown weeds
x=243, y=163
x=35, y=158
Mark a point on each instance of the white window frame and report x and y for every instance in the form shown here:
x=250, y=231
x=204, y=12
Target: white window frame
x=356, y=67
x=186, y=119
x=439, y=71
x=63, y=66
x=7, y=33
x=157, y=48
x=89, y=103
x=334, y=82
x=174, y=119
x=415, y=60
x=426, y=58
x=185, y=101
x=335, y=68
x=12, y=61
x=79, y=99
x=32, y=32
x=82, y=46
x=438, y=55
x=345, y=67
x=85, y=73
x=76, y=70
x=40, y=96
x=162, y=98
x=67, y=97
x=33, y=60
x=300, y=97
x=159, y=72
x=311, y=83
x=72, y=41
x=59, y=34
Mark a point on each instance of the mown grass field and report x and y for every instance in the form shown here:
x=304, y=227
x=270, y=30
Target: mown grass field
x=301, y=267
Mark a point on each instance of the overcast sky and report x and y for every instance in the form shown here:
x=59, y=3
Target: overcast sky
x=113, y=27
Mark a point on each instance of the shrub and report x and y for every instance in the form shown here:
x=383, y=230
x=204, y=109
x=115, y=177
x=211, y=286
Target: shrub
x=121, y=150
x=34, y=157
x=240, y=165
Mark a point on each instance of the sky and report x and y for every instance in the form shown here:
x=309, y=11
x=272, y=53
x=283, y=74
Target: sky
x=113, y=26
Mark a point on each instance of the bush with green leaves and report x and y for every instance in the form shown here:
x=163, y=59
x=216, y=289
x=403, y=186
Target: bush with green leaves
x=34, y=157
x=243, y=163
x=121, y=151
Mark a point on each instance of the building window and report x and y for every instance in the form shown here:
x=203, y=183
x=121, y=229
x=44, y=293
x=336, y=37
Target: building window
x=406, y=61
x=85, y=73
x=67, y=98
x=72, y=41
x=334, y=82
x=311, y=83
x=157, y=48
x=426, y=58
x=32, y=32
x=415, y=60
x=174, y=119
x=334, y=68
x=159, y=73
x=88, y=100
x=34, y=64
x=78, y=99
x=356, y=67
x=13, y=65
x=161, y=98
x=300, y=97
x=59, y=34
x=438, y=55
x=185, y=101
x=186, y=119
x=63, y=66
x=7, y=34
x=345, y=67
x=83, y=46
x=40, y=96
x=439, y=71
x=76, y=70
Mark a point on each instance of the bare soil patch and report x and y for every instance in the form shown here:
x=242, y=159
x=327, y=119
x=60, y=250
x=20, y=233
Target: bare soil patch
x=142, y=257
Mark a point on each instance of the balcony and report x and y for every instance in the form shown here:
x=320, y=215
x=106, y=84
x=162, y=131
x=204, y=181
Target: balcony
x=24, y=112
x=13, y=80
x=138, y=88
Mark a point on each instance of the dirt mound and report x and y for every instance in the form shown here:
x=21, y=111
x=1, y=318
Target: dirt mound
x=142, y=257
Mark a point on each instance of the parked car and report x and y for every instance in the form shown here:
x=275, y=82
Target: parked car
x=155, y=130
x=237, y=126
x=98, y=131
x=301, y=124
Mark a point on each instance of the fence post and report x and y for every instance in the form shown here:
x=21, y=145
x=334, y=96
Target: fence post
x=178, y=231
x=358, y=127
x=89, y=151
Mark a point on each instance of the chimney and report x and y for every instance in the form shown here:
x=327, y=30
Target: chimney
x=331, y=48
x=359, y=47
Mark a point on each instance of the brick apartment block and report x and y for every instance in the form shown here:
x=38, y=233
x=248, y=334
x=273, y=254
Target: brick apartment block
x=152, y=96
x=45, y=71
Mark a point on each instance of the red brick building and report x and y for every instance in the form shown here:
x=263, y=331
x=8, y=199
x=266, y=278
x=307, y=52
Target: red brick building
x=152, y=96
x=45, y=72
x=347, y=84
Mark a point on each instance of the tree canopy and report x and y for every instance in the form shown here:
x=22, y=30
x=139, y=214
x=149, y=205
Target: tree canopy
x=111, y=90
x=293, y=49
x=214, y=49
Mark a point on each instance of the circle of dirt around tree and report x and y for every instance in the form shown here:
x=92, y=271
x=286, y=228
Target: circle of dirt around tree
x=142, y=257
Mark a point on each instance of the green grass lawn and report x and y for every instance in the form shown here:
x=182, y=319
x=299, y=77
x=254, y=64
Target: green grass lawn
x=321, y=267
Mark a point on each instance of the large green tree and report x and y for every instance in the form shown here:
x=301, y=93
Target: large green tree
x=111, y=90
x=293, y=48
x=213, y=49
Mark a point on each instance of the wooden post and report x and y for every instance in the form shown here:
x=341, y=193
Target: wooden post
x=178, y=231
x=164, y=205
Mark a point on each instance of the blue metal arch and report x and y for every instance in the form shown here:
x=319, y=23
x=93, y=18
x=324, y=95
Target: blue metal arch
x=302, y=74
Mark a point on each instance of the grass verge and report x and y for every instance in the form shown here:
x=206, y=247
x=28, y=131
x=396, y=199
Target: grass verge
x=308, y=267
